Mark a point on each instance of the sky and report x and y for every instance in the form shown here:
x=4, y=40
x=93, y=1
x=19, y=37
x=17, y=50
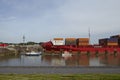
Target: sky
x=43, y=20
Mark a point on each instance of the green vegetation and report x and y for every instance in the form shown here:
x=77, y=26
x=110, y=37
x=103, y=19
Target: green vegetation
x=31, y=43
x=59, y=76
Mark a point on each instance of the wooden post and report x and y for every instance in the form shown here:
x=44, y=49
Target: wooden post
x=106, y=52
x=88, y=53
x=79, y=53
x=115, y=52
x=96, y=53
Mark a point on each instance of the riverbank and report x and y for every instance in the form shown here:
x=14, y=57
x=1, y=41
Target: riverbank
x=7, y=52
x=16, y=50
x=58, y=70
x=59, y=76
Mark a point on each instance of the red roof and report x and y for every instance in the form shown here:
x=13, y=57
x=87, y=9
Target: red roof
x=3, y=45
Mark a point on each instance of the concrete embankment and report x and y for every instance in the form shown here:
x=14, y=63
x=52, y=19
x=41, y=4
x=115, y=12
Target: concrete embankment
x=16, y=50
x=7, y=52
x=58, y=70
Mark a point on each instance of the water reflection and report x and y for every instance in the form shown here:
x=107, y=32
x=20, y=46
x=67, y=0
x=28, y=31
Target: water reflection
x=110, y=60
x=58, y=60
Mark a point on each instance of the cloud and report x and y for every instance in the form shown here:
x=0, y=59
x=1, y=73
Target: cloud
x=63, y=18
x=98, y=15
x=10, y=18
x=75, y=17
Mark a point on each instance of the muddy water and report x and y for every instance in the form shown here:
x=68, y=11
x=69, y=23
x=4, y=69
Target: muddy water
x=58, y=60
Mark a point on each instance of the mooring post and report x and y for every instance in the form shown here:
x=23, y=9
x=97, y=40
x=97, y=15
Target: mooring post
x=115, y=52
x=52, y=52
x=96, y=53
x=106, y=52
x=88, y=53
x=61, y=50
x=79, y=52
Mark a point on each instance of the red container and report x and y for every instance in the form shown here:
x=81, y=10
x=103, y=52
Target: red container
x=58, y=39
x=112, y=44
x=70, y=41
x=82, y=41
x=83, y=44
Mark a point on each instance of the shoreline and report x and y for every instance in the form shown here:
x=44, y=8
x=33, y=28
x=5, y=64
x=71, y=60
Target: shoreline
x=59, y=66
x=58, y=70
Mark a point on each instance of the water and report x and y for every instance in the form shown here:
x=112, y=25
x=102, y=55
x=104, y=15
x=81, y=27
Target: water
x=57, y=60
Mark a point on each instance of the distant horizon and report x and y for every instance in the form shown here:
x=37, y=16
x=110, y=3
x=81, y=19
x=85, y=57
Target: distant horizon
x=43, y=20
x=63, y=38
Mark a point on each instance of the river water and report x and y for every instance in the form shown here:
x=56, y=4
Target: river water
x=58, y=60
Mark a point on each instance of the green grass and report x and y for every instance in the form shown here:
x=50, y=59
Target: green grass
x=59, y=76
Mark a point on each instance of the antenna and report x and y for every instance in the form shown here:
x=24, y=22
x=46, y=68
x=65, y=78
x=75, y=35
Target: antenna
x=23, y=39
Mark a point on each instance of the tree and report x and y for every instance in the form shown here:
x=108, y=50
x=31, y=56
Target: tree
x=30, y=43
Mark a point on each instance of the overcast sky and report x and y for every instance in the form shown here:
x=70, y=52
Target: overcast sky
x=43, y=20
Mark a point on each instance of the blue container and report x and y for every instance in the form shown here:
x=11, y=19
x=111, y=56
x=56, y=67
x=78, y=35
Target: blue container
x=113, y=40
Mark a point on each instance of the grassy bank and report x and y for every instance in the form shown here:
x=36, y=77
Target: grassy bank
x=59, y=76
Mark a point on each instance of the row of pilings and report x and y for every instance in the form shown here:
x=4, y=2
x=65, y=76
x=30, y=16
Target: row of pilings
x=96, y=53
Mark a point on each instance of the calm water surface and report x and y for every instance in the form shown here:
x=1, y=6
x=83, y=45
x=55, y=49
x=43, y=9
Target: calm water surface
x=57, y=60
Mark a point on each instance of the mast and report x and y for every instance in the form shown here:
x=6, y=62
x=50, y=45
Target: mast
x=89, y=35
x=23, y=39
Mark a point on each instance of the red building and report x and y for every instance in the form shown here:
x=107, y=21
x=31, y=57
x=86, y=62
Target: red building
x=3, y=45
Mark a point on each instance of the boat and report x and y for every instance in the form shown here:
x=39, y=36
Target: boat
x=32, y=53
x=66, y=54
x=48, y=46
x=112, y=45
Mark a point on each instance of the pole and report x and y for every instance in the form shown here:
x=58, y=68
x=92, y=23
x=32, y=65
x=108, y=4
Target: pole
x=89, y=35
x=23, y=40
